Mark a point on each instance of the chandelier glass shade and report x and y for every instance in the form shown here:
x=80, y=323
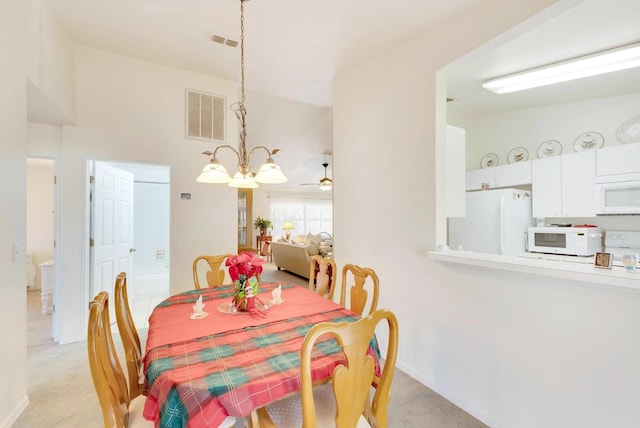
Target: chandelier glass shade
x=215, y=172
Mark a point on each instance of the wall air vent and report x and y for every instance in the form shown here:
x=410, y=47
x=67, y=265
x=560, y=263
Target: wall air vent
x=205, y=116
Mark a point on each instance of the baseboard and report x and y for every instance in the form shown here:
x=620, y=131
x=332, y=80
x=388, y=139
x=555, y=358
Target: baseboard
x=476, y=413
x=15, y=414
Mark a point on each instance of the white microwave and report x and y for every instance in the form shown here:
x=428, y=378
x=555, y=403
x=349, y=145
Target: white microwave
x=617, y=198
x=572, y=241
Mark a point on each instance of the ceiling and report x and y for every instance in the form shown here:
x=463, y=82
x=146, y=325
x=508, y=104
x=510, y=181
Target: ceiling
x=591, y=26
x=294, y=48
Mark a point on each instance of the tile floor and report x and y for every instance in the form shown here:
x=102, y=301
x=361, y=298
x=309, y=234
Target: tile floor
x=141, y=306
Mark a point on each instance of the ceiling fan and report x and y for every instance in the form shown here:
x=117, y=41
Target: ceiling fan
x=325, y=182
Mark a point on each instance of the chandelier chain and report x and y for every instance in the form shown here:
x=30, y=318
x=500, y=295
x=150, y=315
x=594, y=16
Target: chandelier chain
x=269, y=172
x=242, y=51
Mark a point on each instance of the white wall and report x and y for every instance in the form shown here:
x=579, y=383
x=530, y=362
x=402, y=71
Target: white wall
x=522, y=351
x=51, y=67
x=280, y=120
x=528, y=128
x=133, y=110
x=13, y=298
x=513, y=350
x=44, y=141
x=40, y=212
x=151, y=228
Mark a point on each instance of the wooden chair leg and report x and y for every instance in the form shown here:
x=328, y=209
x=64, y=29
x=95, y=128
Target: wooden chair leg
x=260, y=418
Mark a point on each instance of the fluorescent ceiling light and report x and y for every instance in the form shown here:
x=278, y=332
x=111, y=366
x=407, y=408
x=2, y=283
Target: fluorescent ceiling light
x=591, y=65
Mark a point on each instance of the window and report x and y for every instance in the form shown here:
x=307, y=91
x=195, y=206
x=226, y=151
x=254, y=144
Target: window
x=308, y=215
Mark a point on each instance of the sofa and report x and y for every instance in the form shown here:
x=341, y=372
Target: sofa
x=295, y=256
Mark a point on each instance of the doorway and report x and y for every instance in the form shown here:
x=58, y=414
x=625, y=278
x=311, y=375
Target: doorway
x=141, y=233
x=41, y=236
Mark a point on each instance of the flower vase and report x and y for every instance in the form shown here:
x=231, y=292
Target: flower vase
x=245, y=290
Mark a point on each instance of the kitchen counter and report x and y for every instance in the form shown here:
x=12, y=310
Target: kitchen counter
x=559, y=257
x=544, y=265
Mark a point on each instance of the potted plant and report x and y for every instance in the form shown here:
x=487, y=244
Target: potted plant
x=263, y=224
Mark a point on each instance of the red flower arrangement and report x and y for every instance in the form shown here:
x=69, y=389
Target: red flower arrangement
x=243, y=269
x=247, y=264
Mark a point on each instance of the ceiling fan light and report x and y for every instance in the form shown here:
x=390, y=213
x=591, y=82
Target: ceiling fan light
x=214, y=172
x=243, y=181
x=270, y=173
x=326, y=184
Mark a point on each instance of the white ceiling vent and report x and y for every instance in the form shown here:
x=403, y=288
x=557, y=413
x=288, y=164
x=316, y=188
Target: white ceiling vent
x=205, y=116
x=224, y=41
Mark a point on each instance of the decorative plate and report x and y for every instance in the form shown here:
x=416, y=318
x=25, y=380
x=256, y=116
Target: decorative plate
x=588, y=141
x=519, y=154
x=549, y=148
x=629, y=130
x=489, y=160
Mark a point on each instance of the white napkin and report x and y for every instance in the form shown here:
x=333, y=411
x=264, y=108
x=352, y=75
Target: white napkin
x=198, y=307
x=276, y=295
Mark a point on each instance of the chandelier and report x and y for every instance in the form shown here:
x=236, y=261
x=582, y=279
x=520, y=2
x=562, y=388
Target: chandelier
x=215, y=172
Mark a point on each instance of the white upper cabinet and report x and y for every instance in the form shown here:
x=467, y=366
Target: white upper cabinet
x=562, y=186
x=477, y=177
x=578, y=176
x=618, y=160
x=515, y=174
x=546, y=187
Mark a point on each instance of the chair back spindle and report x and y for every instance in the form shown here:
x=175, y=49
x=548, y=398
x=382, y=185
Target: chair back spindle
x=355, y=279
x=322, y=276
x=216, y=272
x=129, y=336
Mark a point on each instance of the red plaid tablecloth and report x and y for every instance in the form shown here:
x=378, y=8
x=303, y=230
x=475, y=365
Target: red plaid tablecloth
x=245, y=362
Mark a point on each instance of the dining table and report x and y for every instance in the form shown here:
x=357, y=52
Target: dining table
x=201, y=369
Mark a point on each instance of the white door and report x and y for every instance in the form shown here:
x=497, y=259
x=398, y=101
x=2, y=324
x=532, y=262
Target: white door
x=111, y=227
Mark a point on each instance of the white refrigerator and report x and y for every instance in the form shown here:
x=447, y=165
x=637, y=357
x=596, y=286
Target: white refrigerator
x=496, y=222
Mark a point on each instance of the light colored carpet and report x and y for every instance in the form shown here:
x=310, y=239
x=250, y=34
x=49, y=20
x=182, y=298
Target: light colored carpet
x=61, y=392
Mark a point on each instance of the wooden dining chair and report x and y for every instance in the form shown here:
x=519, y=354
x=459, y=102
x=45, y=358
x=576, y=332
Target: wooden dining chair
x=358, y=294
x=322, y=276
x=129, y=336
x=215, y=275
x=345, y=402
x=118, y=410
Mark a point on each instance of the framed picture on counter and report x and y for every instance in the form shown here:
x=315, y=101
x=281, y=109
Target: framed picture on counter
x=603, y=260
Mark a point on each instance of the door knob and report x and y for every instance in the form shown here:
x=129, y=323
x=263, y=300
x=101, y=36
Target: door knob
x=132, y=250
